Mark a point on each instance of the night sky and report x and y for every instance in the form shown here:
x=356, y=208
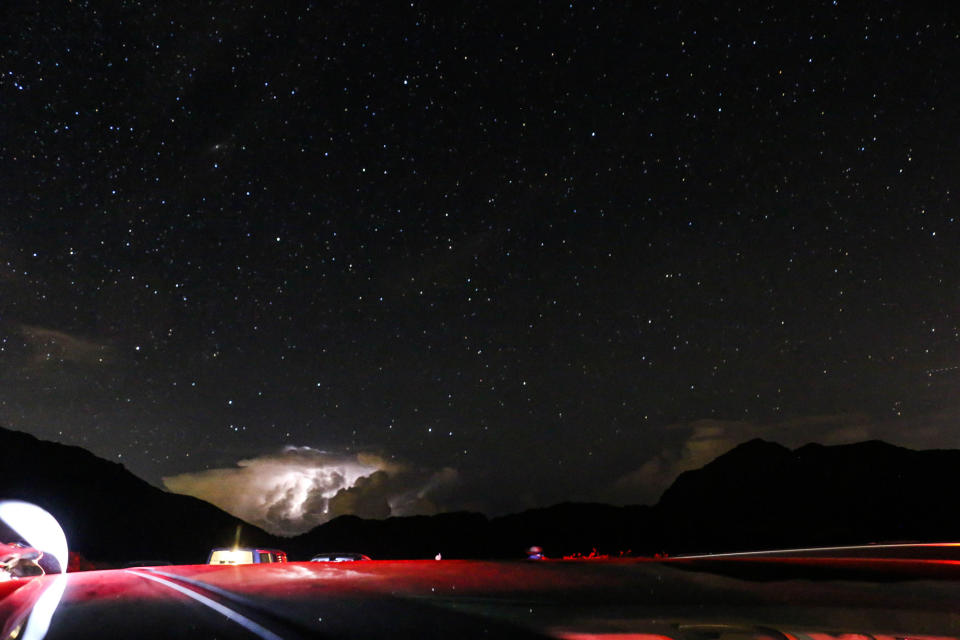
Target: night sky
x=393, y=258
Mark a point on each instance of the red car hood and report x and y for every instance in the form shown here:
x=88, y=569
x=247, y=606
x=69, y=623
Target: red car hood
x=610, y=600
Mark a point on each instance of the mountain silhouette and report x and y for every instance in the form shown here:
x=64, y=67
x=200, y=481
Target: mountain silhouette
x=761, y=494
x=109, y=514
x=758, y=495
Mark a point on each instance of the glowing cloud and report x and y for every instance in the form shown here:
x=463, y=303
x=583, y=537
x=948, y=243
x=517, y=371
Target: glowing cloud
x=299, y=488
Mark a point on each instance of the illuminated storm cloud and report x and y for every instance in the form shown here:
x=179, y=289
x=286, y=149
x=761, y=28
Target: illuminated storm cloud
x=299, y=488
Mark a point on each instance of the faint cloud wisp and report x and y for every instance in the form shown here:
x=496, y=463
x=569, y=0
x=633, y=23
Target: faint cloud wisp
x=52, y=346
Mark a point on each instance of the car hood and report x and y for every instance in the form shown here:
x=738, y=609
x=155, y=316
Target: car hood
x=574, y=600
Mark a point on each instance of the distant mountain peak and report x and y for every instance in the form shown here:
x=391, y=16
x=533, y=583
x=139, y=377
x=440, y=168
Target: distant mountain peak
x=107, y=512
x=761, y=493
x=758, y=445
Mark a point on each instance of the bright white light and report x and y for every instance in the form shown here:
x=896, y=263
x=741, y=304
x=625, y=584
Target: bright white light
x=38, y=529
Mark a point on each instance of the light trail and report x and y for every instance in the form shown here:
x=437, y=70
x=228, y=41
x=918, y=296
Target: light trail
x=226, y=612
x=741, y=554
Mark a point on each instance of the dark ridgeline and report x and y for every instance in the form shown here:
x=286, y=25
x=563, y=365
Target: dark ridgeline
x=108, y=514
x=761, y=494
x=758, y=495
x=560, y=529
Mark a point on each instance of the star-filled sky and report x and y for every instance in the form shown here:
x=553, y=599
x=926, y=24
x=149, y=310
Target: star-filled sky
x=311, y=258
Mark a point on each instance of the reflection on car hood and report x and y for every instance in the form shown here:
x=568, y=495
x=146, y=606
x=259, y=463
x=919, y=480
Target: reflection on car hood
x=611, y=600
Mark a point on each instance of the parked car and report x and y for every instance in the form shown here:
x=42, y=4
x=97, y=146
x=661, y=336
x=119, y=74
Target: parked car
x=245, y=555
x=339, y=556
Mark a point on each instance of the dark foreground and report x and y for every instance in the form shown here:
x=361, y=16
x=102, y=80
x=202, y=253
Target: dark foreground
x=908, y=592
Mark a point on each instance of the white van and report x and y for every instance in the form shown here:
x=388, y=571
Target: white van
x=245, y=555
